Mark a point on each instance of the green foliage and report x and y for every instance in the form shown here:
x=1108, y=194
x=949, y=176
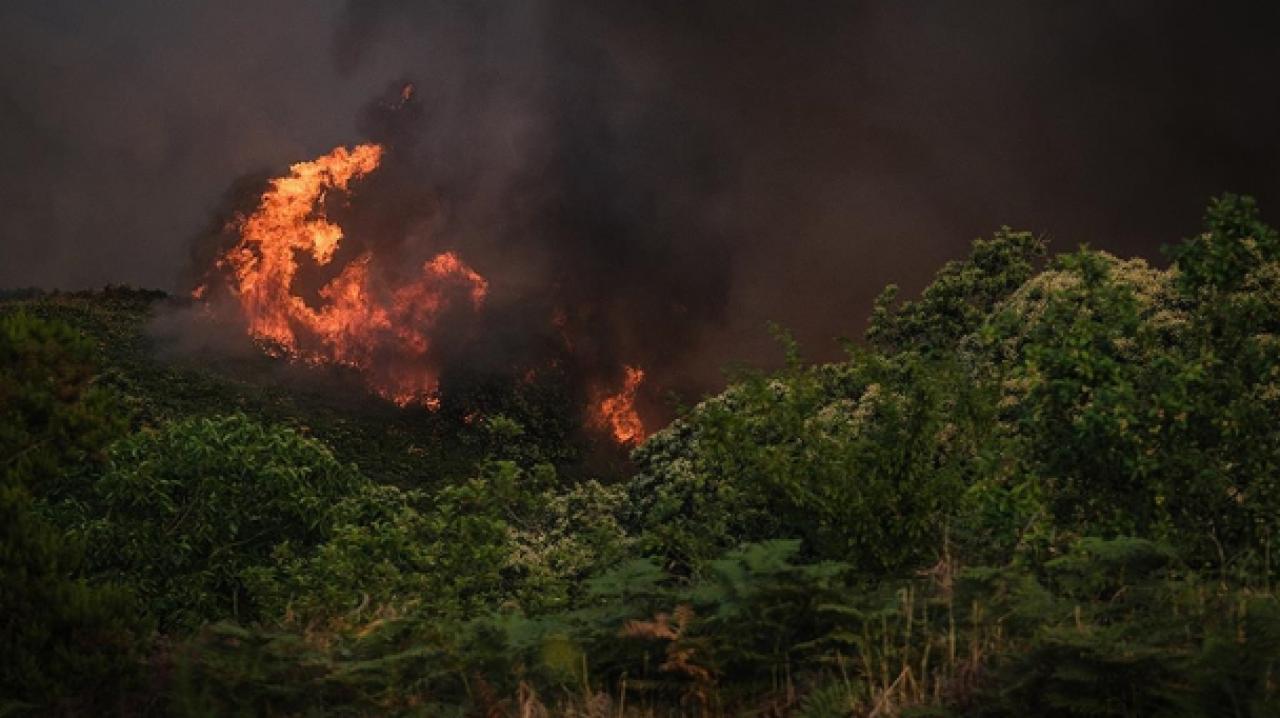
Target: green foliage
x=1235, y=242
x=183, y=511
x=1121, y=628
x=1086, y=384
x=60, y=636
x=373, y=556
x=1113, y=627
x=506, y=537
x=165, y=370
x=961, y=296
x=420, y=660
x=1124, y=406
x=826, y=454
x=1034, y=492
x=762, y=607
x=54, y=416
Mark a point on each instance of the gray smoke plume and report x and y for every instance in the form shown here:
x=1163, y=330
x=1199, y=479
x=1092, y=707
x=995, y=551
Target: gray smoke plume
x=677, y=173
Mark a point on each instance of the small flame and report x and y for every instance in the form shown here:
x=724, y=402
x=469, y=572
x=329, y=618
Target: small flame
x=617, y=413
x=356, y=323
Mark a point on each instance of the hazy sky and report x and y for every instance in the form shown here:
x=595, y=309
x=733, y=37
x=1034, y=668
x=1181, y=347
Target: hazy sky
x=830, y=148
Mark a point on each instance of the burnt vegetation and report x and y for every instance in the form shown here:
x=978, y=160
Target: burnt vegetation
x=1045, y=486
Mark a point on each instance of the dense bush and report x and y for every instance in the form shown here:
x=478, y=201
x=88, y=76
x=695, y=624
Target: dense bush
x=1098, y=397
x=1047, y=486
x=61, y=637
x=1123, y=628
x=181, y=512
x=1111, y=628
x=861, y=460
x=1132, y=403
x=504, y=537
x=223, y=517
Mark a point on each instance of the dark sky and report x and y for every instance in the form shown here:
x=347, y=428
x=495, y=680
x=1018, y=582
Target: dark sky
x=812, y=151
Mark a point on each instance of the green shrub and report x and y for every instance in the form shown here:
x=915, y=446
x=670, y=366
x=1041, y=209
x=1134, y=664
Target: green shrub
x=183, y=511
x=960, y=297
x=861, y=460
x=1122, y=628
x=507, y=536
x=62, y=638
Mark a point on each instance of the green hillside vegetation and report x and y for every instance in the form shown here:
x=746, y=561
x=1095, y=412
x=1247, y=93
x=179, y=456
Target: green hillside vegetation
x=1046, y=486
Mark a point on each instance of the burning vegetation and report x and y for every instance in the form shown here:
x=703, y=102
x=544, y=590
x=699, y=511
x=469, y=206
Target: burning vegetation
x=305, y=294
x=462, y=272
x=383, y=330
x=616, y=413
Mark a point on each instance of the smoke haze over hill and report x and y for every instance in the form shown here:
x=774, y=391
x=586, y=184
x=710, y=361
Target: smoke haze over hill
x=685, y=171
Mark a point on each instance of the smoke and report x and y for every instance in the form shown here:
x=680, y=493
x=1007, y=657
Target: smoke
x=671, y=174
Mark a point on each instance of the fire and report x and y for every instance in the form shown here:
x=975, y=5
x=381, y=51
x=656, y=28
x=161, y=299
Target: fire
x=617, y=413
x=363, y=321
x=365, y=313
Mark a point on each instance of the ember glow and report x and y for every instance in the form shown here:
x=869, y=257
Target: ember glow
x=616, y=413
x=364, y=320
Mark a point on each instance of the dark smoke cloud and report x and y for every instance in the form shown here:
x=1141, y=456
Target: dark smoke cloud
x=678, y=172
x=122, y=123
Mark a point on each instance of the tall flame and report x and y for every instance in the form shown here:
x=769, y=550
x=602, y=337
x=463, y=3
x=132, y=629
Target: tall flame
x=386, y=328
x=616, y=413
x=384, y=333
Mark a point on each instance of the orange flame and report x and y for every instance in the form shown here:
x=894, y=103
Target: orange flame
x=617, y=413
x=360, y=318
x=356, y=324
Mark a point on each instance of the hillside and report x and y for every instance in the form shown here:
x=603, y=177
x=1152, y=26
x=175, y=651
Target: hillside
x=164, y=371
x=1045, y=486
